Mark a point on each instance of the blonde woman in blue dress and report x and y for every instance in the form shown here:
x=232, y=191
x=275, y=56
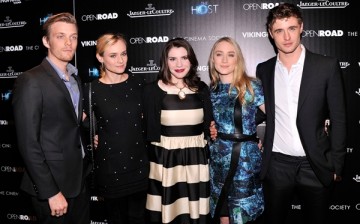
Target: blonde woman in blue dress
x=235, y=97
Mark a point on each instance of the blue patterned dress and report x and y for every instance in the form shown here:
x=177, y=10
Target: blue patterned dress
x=245, y=198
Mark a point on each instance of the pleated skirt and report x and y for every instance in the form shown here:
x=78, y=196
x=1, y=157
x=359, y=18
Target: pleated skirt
x=179, y=181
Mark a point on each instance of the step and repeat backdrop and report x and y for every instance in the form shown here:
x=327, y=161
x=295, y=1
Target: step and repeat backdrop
x=331, y=27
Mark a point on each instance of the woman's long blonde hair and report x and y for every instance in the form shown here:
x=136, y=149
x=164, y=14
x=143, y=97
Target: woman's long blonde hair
x=241, y=81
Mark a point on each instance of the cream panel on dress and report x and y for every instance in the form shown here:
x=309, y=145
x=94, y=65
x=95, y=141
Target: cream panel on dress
x=182, y=117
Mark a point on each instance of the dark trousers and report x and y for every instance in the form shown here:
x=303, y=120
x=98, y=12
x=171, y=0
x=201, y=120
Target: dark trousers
x=288, y=176
x=78, y=211
x=129, y=209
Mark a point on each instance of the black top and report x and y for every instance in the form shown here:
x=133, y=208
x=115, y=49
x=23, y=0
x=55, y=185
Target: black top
x=121, y=163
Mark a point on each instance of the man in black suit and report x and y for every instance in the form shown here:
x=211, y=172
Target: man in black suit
x=48, y=112
x=302, y=89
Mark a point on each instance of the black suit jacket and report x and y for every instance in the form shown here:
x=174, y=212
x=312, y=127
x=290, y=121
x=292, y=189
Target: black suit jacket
x=321, y=96
x=48, y=133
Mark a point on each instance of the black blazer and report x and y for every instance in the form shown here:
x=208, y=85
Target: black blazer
x=321, y=96
x=48, y=133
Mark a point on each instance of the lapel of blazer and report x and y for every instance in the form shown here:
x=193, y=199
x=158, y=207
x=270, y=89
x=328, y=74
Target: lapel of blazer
x=307, y=75
x=271, y=81
x=80, y=106
x=62, y=87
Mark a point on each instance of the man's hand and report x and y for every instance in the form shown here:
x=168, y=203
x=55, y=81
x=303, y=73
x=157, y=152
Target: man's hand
x=337, y=178
x=58, y=205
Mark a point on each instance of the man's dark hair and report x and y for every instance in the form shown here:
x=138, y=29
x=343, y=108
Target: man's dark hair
x=282, y=11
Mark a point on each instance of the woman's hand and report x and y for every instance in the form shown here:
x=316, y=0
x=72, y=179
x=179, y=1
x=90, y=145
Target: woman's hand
x=83, y=116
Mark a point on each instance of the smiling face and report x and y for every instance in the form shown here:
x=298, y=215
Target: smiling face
x=114, y=58
x=178, y=63
x=286, y=34
x=224, y=59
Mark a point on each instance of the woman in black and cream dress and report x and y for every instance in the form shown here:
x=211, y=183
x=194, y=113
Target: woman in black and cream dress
x=178, y=114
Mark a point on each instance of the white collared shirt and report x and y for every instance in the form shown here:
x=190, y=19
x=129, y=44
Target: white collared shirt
x=287, y=88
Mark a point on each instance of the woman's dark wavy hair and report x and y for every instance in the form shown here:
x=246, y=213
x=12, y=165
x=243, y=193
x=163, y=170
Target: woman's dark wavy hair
x=191, y=79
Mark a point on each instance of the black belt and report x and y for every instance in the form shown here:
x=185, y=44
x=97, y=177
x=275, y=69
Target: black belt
x=288, y=157
x=237, y=137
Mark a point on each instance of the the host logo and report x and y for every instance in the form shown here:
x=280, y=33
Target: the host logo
x=8, y=23
x=256, y=6
x=322, y=33
x=43, y=20
x=149, y=40
x=104, y=16
x=150, y=11
x=203, y=9
x=325, y=4
x=5, y=96
x=94, y=73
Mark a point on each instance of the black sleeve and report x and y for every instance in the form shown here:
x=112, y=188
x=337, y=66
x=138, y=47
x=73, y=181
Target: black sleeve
x=260, y=117
x=208, y=113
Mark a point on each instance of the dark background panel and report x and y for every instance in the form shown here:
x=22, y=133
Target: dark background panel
x=331, y=28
